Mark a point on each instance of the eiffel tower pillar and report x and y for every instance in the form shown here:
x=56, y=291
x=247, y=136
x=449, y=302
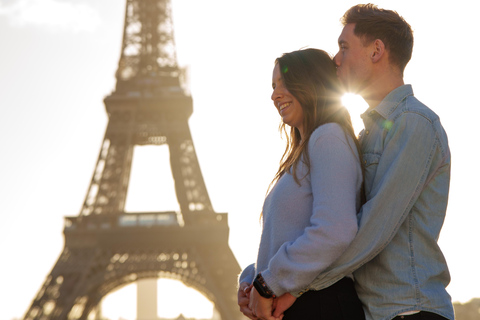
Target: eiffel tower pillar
x=107, y=248
x=147, y=299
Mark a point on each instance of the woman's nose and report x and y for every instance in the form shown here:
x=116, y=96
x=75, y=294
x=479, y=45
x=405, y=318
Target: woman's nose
x=276, y=94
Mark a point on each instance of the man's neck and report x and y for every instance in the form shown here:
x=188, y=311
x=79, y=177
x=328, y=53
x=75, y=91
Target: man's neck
x=379, y=89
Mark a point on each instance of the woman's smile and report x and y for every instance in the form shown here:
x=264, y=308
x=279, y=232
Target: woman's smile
x=283, y=106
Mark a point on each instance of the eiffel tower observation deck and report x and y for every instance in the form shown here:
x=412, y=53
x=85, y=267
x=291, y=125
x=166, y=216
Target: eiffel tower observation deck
x=107, y=248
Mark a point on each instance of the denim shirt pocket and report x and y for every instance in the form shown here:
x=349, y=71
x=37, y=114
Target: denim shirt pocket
x=370, y=162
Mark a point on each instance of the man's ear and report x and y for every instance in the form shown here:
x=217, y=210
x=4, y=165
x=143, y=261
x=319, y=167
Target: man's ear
x=378, y=50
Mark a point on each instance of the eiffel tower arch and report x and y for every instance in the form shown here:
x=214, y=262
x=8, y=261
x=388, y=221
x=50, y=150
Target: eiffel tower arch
x=107, y=248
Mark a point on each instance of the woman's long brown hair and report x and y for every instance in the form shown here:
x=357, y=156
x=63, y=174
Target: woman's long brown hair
x=310, y=76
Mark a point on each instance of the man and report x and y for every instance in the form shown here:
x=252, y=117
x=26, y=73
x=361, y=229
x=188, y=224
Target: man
x=399, y=269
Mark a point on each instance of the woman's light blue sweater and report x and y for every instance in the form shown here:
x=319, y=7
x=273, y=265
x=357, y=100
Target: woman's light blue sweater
x=306, y=227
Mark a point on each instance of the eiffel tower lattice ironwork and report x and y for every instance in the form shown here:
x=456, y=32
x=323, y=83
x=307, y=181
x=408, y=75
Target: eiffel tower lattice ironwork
x=107, y=248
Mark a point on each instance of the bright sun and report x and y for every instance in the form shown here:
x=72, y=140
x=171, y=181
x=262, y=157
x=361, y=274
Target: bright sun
x=355, y=106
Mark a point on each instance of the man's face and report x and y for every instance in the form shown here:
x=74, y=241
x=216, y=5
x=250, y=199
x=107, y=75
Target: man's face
x=353, y=61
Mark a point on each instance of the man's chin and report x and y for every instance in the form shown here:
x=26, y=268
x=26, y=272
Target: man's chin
x=352, y=88
x=349, y=88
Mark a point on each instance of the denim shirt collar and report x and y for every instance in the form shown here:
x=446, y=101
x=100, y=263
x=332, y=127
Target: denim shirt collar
x=391, y=101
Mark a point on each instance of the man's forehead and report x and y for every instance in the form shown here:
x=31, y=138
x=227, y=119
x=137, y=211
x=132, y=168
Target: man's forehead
x=347, y=34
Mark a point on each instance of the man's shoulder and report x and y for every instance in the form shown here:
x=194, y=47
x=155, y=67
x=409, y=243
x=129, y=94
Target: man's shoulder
x=412, y=105
x=401, y=101
x=417, y=114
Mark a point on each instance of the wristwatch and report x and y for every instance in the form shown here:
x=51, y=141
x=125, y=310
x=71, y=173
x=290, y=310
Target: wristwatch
x=262, y=288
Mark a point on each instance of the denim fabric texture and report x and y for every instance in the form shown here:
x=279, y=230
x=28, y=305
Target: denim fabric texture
x=397, y=263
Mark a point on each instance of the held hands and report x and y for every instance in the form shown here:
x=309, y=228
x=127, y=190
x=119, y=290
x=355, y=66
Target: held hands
x=243, y=298
x=262, y=308
x=255, y=307
x=282, y=304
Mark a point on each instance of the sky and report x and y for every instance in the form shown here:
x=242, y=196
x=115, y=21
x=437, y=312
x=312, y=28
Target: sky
x=57, y=63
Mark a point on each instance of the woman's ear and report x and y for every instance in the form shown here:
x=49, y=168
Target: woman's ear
x=378, y=50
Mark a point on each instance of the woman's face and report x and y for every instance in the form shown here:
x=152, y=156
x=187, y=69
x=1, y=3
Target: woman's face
x=287, y=105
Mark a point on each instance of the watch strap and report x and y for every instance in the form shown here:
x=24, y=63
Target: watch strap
x=262, y=288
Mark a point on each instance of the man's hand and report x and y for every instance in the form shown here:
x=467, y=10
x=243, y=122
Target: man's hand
x=243, y=297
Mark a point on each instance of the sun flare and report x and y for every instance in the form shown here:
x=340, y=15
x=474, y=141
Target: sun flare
x=355, y=106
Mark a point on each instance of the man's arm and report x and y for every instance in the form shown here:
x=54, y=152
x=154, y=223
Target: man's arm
x=400, y=177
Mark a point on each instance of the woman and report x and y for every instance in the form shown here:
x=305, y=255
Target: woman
x=309, y=215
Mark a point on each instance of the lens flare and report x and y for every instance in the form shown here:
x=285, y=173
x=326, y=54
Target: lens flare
x=355, y=106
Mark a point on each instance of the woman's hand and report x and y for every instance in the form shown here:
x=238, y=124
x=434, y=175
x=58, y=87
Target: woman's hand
x=282, y=303
x=243, y=297
x=255, y=307
x=262, y=308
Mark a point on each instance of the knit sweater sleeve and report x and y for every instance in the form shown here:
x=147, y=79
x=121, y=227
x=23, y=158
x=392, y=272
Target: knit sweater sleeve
x=335, y=181
x=247, y=274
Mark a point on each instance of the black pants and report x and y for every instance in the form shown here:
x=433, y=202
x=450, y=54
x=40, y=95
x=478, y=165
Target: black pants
x=423, y=315
x=337, y=302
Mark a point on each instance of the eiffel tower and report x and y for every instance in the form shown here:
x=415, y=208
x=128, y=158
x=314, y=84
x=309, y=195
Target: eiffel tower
x=107, y=248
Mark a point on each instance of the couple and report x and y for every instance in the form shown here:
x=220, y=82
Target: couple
x=315, y=260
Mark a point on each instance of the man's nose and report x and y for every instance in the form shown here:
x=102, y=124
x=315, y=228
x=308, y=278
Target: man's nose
x=336, y=60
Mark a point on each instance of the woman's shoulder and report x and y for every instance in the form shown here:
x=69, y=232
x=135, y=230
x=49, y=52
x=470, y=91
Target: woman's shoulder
x=332, y=137
x=328, y=129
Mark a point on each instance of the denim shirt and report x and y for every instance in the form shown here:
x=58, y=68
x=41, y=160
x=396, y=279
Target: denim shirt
x=397, y=263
